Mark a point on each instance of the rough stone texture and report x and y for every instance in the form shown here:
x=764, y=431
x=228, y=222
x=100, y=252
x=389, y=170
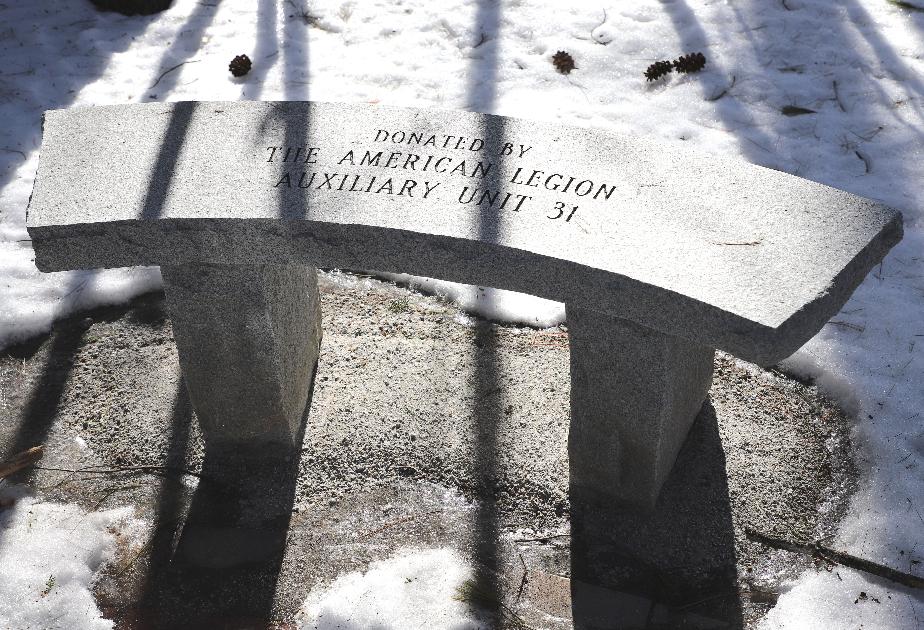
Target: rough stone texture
x=416, y=403
x=726, y=254
x=698, y=252
x=248, y=339
x=634, y=396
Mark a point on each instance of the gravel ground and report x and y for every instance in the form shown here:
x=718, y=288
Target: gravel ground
x=426, y=427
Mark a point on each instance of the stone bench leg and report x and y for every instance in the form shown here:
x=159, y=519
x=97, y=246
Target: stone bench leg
x=634, y=395
x=248, y=338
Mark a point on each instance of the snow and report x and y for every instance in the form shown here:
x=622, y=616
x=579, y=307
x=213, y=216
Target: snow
x=495, y=304
x=858, y=64
x=50, y=554
x=844, y=599
x=412, y=590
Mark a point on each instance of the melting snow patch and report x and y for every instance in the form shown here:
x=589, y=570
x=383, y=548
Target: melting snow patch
x=49, y=557
x=494, y=304
x=844, y=599
x=411, y=590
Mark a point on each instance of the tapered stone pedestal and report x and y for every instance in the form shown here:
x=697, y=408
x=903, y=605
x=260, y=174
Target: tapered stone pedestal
x=248, y=338
x=634, y=395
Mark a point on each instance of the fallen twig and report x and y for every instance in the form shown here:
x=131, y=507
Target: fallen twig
x=597, y=41
x=306, y=17
x=795, y=110
x=710, y=598
x=833, y=556
x=169, y=70
x=906, y=5
x=20, y=461
x=723, y=92
x=111, y=491
x=869, y=135
x=76, y=289
x=95, y=470
x=523, y=581
x=911, y=503
x=856, y=327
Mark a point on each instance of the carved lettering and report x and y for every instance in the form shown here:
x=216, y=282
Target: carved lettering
x=310, y=154
x=336, y=182
x=444, y=141
x=445, y=155
x=490, y=198
x=509, y=147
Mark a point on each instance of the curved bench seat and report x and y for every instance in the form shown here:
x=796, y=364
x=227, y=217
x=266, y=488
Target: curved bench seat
x=732, y=255
x=651, y=239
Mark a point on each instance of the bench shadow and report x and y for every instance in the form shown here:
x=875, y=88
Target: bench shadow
x=217, y=550
x=673, y=567
x=679, y=560
x=484, y=474
x=854, y=116
x=40, y=411
x=485, y=381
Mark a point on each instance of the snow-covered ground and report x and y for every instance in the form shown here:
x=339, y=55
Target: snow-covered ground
x=857, y=64
x=49, y=556
x=412, y=590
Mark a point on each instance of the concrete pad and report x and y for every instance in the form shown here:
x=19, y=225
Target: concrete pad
x=428, y=429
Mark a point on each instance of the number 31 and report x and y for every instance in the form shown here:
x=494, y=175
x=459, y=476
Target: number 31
x=560, y=206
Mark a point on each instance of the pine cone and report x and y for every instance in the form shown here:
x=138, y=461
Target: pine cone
x=658, y=69
x=563, y=62
x=693, y=62
x=240, y=65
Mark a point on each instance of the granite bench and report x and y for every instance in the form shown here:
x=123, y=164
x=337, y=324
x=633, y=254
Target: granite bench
x=660, y=254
